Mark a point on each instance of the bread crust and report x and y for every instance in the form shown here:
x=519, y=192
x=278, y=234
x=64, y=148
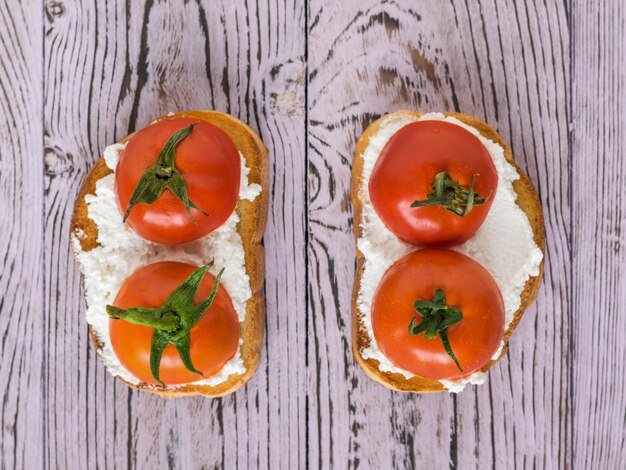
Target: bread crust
x=252, y=220
x=527, y=200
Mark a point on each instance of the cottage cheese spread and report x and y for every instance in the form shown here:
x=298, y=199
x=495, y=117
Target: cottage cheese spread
x=504, y=244
x=122, y=251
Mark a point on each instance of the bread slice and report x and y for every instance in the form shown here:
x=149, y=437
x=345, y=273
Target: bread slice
x=527, y=200
x=252, y=215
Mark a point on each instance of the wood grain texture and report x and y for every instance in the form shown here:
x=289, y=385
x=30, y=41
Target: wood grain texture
x=111, y=67
x=598, y=377
x=506, y=64
x=309, y=75
x=21, y=205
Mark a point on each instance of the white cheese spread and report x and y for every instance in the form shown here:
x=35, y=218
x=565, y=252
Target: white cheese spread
x=122, y=251
x=504, y=243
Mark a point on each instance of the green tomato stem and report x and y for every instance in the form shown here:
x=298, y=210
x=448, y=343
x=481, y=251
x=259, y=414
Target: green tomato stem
x=164, y=175
x=453, y=197
x=437, y=316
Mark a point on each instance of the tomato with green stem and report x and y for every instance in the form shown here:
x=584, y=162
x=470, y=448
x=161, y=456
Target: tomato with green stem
x=172, y=323
x=433, y=183
x=438, y=314
x=177, y=180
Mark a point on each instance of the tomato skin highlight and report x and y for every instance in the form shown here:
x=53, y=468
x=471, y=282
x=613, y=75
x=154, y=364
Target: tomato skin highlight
x=208, y=161
x=214, y=339
x=405, y=172
x=467, y=286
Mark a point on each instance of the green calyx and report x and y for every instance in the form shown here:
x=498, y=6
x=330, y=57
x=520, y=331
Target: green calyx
x=172, y=321
x=163, y=174
x=451, y=196
x=437, y=316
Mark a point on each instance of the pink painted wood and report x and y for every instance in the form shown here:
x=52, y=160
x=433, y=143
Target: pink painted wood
x=480, y=59
x=22, y=289
x=110, y=68
x=598, y=283
x=309, y=76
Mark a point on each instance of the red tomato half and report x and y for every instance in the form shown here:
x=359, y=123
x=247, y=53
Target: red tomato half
x=214, y=339
x=208, y=161
x=405, y=171
x=466, y=285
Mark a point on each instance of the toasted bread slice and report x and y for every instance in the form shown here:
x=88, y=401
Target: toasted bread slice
x=527, y=200
x=252, y=215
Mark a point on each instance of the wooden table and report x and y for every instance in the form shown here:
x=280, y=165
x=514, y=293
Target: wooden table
x=310, y=76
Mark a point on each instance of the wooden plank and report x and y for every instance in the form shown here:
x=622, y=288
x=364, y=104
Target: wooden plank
x=111, y=67
x=21, y=206
x=505, y=63
x=599, y=235
x=87, y=414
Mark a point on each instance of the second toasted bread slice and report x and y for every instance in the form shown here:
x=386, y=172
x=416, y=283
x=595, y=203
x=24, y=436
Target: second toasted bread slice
x=528, y=202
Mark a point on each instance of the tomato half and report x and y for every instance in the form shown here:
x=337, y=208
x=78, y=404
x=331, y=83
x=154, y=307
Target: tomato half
x=405, y=172
x=466, y=285
x=208, y=161
x=214, y=339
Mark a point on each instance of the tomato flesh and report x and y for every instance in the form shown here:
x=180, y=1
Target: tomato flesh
x=208, y=161
x=405, y=171
x=467, y=286
x=214, y=339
